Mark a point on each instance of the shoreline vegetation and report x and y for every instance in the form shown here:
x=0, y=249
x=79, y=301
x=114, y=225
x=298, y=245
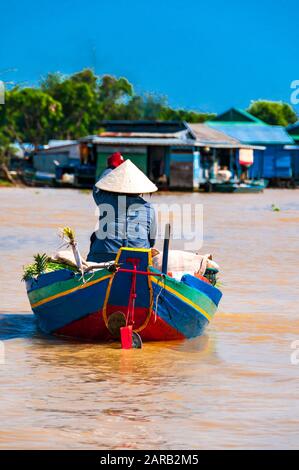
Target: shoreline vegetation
x=73, y=106
x=6, y=184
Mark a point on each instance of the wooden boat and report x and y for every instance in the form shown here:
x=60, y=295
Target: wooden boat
x=34, y=178
x=253, y=186
x=130, y=292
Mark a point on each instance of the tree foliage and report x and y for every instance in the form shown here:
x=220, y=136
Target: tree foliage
x=30, y=115
x=273, y=112
x=69, y=107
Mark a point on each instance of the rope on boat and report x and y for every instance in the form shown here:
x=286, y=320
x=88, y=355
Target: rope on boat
x=157, y=298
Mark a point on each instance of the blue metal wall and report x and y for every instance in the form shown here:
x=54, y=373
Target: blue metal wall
x=273, y=162
x=256, y=170
x=277, y=162
x=295, y=161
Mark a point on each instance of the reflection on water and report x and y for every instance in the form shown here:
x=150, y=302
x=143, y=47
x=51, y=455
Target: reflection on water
x=17, y=326
x=235, y=387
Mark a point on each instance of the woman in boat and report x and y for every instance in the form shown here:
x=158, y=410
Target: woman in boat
x=125, y=218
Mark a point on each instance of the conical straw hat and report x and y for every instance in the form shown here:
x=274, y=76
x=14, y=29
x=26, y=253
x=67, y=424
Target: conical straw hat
x=126, y=179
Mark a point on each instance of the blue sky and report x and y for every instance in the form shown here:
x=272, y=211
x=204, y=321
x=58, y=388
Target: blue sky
x=204, y=55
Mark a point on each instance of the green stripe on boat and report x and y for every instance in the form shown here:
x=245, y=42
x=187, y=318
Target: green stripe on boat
x=195, y=296
x=63, y=286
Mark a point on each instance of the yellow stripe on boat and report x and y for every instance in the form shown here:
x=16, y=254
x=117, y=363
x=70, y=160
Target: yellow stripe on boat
x=70, y=291
x=182, y=297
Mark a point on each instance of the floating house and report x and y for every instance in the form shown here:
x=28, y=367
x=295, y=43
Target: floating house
x=218, y=150
x=175, y=155
x=59, y=151
x=293, y=131
x=48, y=161
x=165, y=151
x=274, y=147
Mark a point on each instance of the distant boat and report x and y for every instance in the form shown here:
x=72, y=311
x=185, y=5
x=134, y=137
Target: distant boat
x=236, y=187
x=33, y=177
x=130, y=292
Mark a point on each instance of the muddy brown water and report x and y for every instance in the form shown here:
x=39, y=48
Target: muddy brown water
x=235, y=387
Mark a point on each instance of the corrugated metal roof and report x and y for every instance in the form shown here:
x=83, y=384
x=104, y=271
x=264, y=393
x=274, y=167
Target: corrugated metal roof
x=156, y=135
x=57, y=147
x=209, y=136
x=137, y=141
x=61, y=143
x=254, y=133
x=206, y=136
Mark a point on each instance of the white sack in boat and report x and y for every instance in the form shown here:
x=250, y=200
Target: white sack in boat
x=183, y=261
x=67, y=257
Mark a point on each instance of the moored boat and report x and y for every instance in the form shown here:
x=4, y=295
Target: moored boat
x=253, y=186
x=129, y=292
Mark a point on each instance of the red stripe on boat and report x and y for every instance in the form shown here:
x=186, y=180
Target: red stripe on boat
x=92, y=327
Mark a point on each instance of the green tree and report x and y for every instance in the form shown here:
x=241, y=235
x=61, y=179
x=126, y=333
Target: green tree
x=78, y=105
x=30, y=115
x=143, y=107
x=170, y=114
x=77, y=96
x=150, y=107
x=273, y=112
x=133, y=109
x=113, y=95
x=52, y=80
x=6, y=152
x=73, y=106
x=87, y=99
